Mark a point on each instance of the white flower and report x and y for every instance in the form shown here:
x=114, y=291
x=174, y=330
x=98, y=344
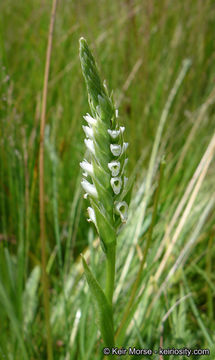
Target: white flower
x=90, y=119
x=116, y=184
x=88, y=131
x=92, y=215
x=114, y=167
x=87, y=167
x=115, y=149
x=117, y=113
x=113, y=133
x=122, y=210
x=89, y=188
x=90, y=145
x=122, y=129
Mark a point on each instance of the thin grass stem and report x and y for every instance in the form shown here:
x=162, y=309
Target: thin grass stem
x=209, y=273
x=41, y=183
x=139, y=274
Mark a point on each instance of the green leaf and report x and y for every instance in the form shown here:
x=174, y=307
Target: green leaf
x=30, y=297
x=8, y=306
x=104, y=310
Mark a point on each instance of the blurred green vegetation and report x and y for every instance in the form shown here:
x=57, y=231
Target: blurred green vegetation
x=141, y=48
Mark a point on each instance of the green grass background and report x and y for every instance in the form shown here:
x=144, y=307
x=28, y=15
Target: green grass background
x=141, y=48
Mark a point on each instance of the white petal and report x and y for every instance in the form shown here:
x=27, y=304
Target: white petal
x=116, y=184
x=115, y=149
x=122, y=210
x=122, y=129
x=117, y=113
x=89, y=188
x=86, y=166
x=113, y=133
x=88, y=131
x=92, y=215
x=114, y=167
x=90, y=119
x=90, y=145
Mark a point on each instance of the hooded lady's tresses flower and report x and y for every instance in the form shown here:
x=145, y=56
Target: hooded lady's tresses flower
x=122, y=210
x=114, y=167
x=87, y=167
x=89, y=188
x=107, y=154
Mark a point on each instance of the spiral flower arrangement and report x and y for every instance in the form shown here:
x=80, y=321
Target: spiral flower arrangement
x=104, y=180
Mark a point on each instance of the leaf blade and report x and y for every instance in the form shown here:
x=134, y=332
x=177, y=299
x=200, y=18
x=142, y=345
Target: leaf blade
x=104, y=310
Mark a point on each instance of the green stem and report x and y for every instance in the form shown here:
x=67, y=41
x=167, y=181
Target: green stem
x=110, y=272
x=110, y=279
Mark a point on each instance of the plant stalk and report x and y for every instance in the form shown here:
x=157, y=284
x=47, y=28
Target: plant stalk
x=110, y=279
x=110, y=272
